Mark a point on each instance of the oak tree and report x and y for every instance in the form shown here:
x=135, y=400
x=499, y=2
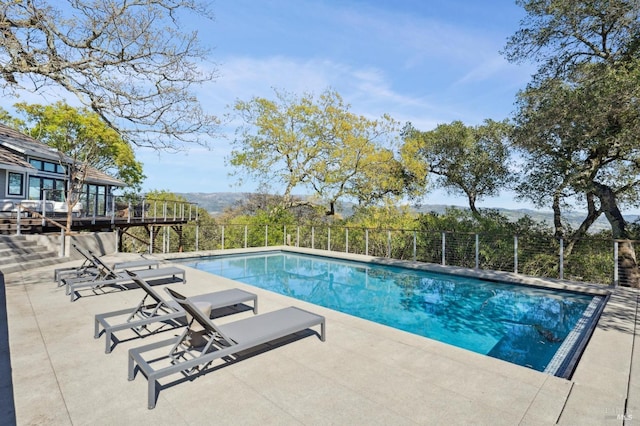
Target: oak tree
x=131, y=62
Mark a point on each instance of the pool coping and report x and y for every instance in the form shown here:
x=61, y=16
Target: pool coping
x=364, y=372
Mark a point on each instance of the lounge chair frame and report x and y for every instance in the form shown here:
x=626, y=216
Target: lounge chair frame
x=119, y=279
x=223, y=341
x=154, y=309
x=90, y=269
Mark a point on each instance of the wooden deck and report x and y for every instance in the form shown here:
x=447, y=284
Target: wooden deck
x=32, y=225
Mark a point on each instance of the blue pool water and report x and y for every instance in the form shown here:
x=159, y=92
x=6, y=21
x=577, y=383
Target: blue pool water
x=523, y=325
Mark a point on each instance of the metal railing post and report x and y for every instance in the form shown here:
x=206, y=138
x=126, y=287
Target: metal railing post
x=616, y=271
x=284, y=235
x=44, y=204
x=129, y=212
x=561, y=259
x=62, y=242
x=245, y=236
x=197, y=235
x=366, y=241
x=151, y=240
x=415, y=246
x=298, y=237
x=266, y=235
x=328, y=238
x=346, y=238
x=515, y=254
x=388, y=243
x=477, y=252
x=222, y=237
x=313, y=237
x=444, y=247
x=18, y=219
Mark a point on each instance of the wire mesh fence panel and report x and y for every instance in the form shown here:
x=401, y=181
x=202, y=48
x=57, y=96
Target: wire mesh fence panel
x=338, y=240
x=355, y=243
x=539, y=255
x=496, y=252
x=429, y=247
x=320, y=237
x=305, y=236
x=378, y=243
x=590, y=259
x=460, y=249
x=627, y=273
x=402, y=242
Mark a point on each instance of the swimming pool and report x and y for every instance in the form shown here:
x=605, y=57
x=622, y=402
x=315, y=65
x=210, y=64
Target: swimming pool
x=533, y=327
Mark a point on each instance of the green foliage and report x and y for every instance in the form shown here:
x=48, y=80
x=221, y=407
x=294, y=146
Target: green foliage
x=467, y=160
x=578, y=120
x=317, y=144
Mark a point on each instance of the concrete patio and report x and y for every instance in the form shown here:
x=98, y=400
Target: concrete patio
x=365, y=373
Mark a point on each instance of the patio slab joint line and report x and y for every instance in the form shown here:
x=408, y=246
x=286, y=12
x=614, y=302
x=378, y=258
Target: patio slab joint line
x=564, y=405
x=633, y=345
x=53, y=370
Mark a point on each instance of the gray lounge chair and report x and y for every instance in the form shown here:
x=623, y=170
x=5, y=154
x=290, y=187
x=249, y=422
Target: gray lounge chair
x=204, y=342
x=154, y=309
x=90, y=269
x=108, y=277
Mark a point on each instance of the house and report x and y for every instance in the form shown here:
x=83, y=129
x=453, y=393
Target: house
x=35, y=175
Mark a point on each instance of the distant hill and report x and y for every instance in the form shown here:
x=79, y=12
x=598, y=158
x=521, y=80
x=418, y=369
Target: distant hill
x=216, y=202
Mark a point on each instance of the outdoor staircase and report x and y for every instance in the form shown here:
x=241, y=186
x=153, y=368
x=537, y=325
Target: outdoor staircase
x=19, y=253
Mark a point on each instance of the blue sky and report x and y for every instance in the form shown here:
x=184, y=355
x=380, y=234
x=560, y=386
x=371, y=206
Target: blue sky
x=426, y=62
x=419, y=61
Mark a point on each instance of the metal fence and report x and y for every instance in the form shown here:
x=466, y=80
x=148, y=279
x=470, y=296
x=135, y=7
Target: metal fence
x=592, y=259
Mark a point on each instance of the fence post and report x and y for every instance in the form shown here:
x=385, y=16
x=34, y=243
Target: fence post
x=150, y=238
x=113, y=208
x=197, y=235
x=444, y=247
x=477, y=252
x=298, y=236
x=62, y=242
x=346, y=240
x=313, y=237
x=266, y=235
x=222, y=237
x=328, y=238
x=366, y=242
x=18, y=230
x=616, y=277
x=245, y=236
x=95, y=210
x=129, y=212
x=561, y=259
x=284, y=236
x=415, y=246
x=44, y=204
x=515, y=254
x=389, y=243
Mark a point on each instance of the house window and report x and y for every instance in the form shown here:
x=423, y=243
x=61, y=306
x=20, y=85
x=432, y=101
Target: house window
x=16, y=184
x=54, y=187
x=46, y=166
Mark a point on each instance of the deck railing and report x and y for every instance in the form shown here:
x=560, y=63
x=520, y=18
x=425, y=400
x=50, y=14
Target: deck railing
x=592, y=259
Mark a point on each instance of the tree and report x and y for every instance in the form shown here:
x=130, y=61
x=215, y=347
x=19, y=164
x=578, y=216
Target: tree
x=83, y=140
x=317, y=144
x=578, y=119
x=130, y=62
x=470, y=160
